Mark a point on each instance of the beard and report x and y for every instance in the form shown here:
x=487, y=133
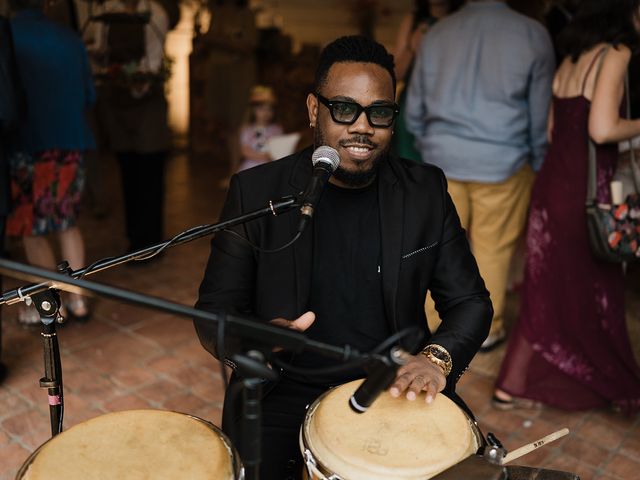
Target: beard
x=357, y=178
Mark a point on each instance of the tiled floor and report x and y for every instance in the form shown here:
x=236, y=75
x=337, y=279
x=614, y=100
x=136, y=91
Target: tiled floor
x=127, y=357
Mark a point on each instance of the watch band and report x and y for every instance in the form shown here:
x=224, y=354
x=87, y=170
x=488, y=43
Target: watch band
x=438, y=355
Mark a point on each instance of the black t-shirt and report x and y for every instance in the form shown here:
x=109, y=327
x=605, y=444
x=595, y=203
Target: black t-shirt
x=346, y=284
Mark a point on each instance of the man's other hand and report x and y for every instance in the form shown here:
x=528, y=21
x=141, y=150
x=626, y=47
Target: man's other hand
x=300, y=324
x=416, y=375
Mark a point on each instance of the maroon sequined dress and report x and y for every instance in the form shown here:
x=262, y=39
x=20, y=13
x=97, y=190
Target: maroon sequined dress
x=570, y=347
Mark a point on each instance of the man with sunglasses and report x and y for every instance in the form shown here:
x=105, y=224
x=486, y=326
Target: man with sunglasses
x=384, y=231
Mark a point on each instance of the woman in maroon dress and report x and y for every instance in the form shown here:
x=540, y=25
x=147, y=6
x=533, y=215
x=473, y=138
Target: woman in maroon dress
x=570, y=348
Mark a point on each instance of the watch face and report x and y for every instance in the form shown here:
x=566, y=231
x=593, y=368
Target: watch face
x=438, y=354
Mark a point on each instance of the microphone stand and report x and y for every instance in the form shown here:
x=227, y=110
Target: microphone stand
x=46, y=298
x=265, y=335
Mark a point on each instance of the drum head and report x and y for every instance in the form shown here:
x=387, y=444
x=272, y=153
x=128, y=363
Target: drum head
x=394, y=439
x=134, y=444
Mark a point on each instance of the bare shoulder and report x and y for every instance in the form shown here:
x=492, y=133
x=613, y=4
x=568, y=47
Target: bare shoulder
x=615, y=62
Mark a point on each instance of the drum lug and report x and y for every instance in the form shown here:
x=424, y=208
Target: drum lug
x=312, y=466
x=308, y=459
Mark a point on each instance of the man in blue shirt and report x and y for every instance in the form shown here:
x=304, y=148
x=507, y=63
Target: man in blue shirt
x=477, y=103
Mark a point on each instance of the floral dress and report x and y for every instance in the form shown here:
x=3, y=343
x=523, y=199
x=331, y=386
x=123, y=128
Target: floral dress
x=45, y=192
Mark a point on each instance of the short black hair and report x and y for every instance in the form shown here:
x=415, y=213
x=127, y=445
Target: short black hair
x=353, y=49
x=597, y=21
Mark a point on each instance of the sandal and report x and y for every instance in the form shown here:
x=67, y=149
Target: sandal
x=514, y=403
x=78, y=305
x=28, y=317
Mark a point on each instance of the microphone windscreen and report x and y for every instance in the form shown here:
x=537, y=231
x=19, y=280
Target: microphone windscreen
x=328, y=155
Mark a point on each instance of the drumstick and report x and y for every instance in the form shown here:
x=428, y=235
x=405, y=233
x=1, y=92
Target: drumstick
x=519, y=452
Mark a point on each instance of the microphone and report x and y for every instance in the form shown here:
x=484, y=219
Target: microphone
x=325, y=161
x=381, y=375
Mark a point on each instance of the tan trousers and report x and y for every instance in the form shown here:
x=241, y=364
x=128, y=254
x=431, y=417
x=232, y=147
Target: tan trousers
x=494, y=215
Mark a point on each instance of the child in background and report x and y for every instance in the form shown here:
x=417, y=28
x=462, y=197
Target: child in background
x=259, y=128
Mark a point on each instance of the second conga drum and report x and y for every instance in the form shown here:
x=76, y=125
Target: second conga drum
x=395, y=439
x=136, y=444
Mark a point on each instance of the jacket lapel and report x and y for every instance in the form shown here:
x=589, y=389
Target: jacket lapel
x=391, y=201
x=302, y=249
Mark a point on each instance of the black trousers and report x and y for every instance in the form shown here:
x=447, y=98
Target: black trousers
x=283, y=412
x=143, y=188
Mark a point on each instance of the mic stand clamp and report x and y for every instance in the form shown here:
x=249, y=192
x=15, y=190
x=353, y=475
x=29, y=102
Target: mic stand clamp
x=48, y=304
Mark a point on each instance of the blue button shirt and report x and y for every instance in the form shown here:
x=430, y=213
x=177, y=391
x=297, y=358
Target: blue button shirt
x=55, y=74
x=480, y=92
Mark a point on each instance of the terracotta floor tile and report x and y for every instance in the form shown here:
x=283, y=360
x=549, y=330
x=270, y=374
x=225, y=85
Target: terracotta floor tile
x=126, y=402
x=624, y=467
x=184, y=403
x=167, y=331
x=601, y=433
x=616, y=420
x=166, y=364
x=588, y=452
x=117, y=352
x=194, y=354
x=157, y=393
x=22, y=423
x=562, y=418
x=92, y=384
x=132, y=377
x=34, y=394
x=124, y=314
x=193, y=376
x=506, y=421
x=631, y=446
x=211, y=391
x=12, y=456
x=76, y=334
x=11, y=403
x=34, y=438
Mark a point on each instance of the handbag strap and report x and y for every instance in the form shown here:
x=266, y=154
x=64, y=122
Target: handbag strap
x=632, y=153
x=592, y=181
x=592, y=171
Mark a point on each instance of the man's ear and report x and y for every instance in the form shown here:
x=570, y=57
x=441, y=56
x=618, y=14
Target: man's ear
x=312, y=109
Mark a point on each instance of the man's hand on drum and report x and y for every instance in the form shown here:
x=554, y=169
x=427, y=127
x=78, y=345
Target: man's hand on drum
x=300, y=324
x=417, y=375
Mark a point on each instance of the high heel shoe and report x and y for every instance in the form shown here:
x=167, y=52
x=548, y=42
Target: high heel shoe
x=28, y=317
x=514, y=403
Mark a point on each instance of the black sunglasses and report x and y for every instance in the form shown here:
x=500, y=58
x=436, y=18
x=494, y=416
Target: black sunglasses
x=379, y=115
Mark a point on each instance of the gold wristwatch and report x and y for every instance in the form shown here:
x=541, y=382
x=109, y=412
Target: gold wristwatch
x=438, y=355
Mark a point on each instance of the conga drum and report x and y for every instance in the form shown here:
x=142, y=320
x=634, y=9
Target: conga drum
x=395, y=439
x=136, y=444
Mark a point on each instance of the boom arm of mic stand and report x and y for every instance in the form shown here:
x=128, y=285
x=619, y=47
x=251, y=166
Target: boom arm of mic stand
x=275, y=208
x=256, y=331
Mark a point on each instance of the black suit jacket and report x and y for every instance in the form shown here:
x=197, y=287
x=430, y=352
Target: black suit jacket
x=423, y=247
